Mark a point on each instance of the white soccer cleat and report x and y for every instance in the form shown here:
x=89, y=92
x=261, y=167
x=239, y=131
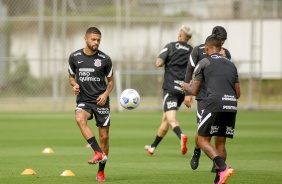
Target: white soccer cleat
x=150, y=149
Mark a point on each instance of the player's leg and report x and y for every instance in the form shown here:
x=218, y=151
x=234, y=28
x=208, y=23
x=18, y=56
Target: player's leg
x=194, y=162
x=104, y=144
x=160, y=135
x=102, y=117
x=204, y=136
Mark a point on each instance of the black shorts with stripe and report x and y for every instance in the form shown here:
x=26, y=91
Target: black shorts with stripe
x=172, y=100
x=101, y=113
x=200, y=109
x=217, y=124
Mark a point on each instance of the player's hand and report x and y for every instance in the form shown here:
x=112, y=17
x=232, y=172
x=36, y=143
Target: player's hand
x=184, y=86
x=75, y=89
x=188, y=101
x=102, y=99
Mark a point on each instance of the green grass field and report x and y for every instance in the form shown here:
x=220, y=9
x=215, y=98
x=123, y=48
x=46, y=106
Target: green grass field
x=255, y=153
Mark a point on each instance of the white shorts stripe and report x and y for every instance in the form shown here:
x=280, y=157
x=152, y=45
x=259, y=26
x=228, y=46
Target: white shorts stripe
x=204, y=120
x=107, y=120
x=199, y=116
x=165, y=97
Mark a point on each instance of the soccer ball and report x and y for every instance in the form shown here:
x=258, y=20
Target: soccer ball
x=129, y=99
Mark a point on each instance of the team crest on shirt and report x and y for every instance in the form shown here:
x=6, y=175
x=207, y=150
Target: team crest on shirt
x=97, y=62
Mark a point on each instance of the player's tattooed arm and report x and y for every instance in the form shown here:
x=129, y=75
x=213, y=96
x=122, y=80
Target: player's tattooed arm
x=159, y=62
x=193, y=87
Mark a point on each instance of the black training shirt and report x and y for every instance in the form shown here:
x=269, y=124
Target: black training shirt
x=197, y=54
x=90, y=73
x=220, y=76
x=175, y=56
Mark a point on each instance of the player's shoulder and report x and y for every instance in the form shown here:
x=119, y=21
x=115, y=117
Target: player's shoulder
x=76, y=53
x=102, y=55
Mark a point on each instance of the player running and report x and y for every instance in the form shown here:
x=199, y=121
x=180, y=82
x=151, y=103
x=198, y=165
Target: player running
x=174, y=58
x=197, y=54
x=220, y=108
x=91, y=76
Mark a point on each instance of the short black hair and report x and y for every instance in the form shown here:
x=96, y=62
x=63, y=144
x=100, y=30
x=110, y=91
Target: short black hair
x=93, y=30
x=219, y=30
x=213, y=41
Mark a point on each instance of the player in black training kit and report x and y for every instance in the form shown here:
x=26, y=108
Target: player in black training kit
x=174, y=57
x=91, y=75
x=197, y=54
x=220, y=107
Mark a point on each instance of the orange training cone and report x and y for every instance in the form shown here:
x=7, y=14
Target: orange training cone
x=48, y=150
x=67, y=173
x=28, y=172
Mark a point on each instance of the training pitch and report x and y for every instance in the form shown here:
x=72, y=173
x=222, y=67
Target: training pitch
x=255, y=153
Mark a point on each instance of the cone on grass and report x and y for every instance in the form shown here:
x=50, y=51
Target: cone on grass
x=67, y=173
x=48, y=150
x=28, y=172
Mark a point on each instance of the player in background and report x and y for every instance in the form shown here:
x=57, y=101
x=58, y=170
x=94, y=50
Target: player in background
x=173, y=57
x=222, y=91
x=198, y=53
x=91, y=77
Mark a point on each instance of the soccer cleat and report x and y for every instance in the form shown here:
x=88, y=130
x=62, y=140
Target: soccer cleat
x=213, y=169
x=150, y=149
x=98, y=157
x=194, y=162
x=183, y=142
x=224, y=175
x=100, y=176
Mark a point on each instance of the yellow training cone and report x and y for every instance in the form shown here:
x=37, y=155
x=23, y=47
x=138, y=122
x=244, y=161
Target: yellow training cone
x=28, y=172
x=47, y=150
x=67, y=173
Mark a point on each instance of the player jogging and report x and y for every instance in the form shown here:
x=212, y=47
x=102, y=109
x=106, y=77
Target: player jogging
x=220, y=108
x=174, y=58
x=197, y=54
x=91, y=76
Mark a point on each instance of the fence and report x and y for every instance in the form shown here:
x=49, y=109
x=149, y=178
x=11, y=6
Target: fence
x=37, y=36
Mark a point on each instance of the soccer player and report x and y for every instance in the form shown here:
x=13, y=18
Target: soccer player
x=174, y=57
x=91, y=77
x=197, y=54
x=220, y=108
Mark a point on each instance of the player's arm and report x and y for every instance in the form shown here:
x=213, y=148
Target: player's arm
x=238, y=90
x=102, y=99
x=237, y=84
x=189, y=73
x=193, y=87
x=72, y=81
x=160, y=61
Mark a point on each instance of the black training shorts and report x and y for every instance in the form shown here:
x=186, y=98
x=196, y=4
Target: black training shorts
x=101, y=113
x=217, y=124
x=172, y=100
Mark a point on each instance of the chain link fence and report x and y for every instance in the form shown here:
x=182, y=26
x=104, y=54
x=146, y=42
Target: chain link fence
x=37, y=36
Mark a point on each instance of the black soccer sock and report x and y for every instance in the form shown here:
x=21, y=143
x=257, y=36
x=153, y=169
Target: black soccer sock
x=220, y=163
x=102, y=166
x=157, y=141
x=177, y=131
x=197, y=150
x=94, y=145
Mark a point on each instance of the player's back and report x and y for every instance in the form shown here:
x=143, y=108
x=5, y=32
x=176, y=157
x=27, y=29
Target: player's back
x=220, y=78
